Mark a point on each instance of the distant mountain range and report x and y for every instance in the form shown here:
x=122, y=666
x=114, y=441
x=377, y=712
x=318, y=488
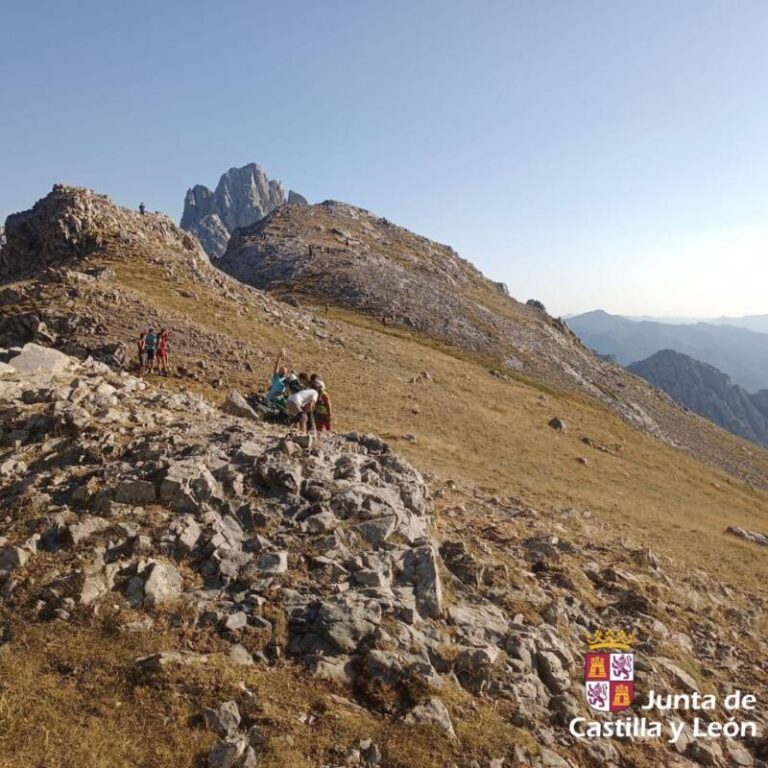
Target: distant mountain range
x=708, y=392
x=739, y=352
x=757, y=323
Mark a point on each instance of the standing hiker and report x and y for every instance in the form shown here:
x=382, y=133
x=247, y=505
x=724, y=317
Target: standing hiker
x=163, y=348
x=323, y=409
x=150, y=347
x=142, y=348
x=142, y=209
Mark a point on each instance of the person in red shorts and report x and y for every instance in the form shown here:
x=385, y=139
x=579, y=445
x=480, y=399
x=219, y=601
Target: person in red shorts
x=323, y=409
x=163, y=348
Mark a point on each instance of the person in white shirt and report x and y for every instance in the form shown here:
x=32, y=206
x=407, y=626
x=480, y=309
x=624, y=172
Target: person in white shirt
x=300, y=405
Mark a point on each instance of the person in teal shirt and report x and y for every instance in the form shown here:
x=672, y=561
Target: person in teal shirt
x=276, y=391
x=150, y=345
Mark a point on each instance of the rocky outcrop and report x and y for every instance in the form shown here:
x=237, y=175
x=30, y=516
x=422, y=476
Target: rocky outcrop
x=242, y=197
x=294, y=198
x=70, y=223
x=707, y=391
x=64, y=286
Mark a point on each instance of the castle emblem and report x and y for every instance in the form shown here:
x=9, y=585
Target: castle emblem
x=609, y=671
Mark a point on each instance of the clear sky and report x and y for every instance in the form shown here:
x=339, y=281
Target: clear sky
x=588, y=153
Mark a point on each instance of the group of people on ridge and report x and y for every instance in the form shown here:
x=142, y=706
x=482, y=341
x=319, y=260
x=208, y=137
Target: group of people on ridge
x=303, y=397
x=153, y=351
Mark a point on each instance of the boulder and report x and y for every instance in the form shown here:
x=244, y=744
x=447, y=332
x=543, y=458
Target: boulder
x=226, y=753
x=135, y=492
x=272, y=563
x=94, y=587
x=12, y=558
x=432, y=712
x=188, y=484
x=336, y=625
x=163, y=584
x=420, y=568
x=551, y=672
x=236, y=405
x=36, y=359
x=224, y=720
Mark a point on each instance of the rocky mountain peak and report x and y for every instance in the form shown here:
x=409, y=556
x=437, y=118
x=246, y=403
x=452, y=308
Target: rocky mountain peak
x=707, y=391
x=70, y=223
x=242, y=197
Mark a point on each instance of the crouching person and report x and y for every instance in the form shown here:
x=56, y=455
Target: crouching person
x=301, y=405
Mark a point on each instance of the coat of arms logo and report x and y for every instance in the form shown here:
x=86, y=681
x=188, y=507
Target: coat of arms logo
x=609, y=671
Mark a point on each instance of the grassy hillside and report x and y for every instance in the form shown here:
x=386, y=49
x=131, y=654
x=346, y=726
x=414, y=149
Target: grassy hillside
x=467, y=423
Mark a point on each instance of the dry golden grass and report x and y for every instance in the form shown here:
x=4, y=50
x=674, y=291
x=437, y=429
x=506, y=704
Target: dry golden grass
x=494, y=433
x=71, y=698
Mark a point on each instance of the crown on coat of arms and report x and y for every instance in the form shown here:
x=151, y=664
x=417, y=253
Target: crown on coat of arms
x=610, y=638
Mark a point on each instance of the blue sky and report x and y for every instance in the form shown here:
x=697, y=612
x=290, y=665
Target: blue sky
x=587, y=153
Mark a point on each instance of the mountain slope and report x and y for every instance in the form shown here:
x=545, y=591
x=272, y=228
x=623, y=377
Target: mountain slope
x=704, y=389
x=740, y=353
x=545, y=533
x=238, y=594
x=344, y=256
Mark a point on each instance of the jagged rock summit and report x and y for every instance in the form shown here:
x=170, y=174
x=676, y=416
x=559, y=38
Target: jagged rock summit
x=242, y=197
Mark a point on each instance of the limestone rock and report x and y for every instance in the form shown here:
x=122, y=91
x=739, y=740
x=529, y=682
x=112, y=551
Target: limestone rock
x=36, y=359
x=12, y=558
x=224, y=720
x=294, y=198
x=242, y=197
x=236, y=405
x=136, y=492
x=163, y=584
x=432, y=712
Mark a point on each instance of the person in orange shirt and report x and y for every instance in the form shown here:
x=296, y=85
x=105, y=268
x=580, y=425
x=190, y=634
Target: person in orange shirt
x=323, y=409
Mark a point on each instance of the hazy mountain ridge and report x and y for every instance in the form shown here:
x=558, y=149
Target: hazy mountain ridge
x=757, y=323
x=739, y=352
x=707, y=391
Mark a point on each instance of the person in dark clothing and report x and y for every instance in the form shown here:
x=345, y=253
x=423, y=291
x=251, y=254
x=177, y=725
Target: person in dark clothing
x=142, y=209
